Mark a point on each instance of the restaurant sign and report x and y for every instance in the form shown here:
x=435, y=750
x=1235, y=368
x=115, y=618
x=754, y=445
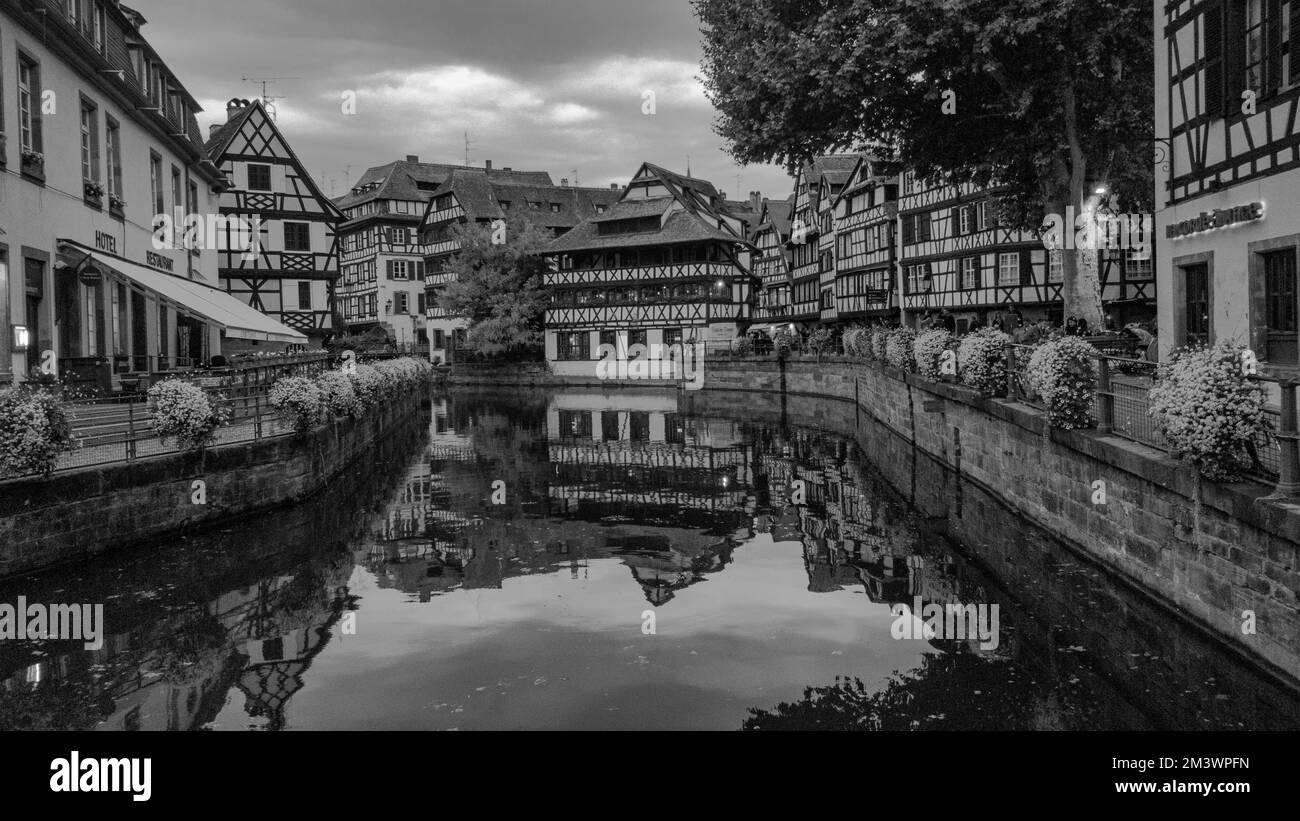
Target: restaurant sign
x=1218, y=218
x=156, y=260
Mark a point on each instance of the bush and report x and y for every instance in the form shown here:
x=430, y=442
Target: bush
x=783, y=341
x=857, y=342
x=898, y=349
x=1060, y=372
x=744, y=346
x=184, y=411
x=301, y=398
x=928, y=350
x=879, y=342
x=338, y=394
x=33, y=430
x=821, y=341
x=982, y=362
x=1036, y=333
x=368, y=384
x=1207, y=408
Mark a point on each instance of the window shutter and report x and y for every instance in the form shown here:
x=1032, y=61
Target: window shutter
x=956, y=221
x=1214, y=82
x=909, y=233
x=1273, y=48
x=389, y=263
x=1026, y=268
x=1234, y=57
x=419, y=271
x=1295, y=41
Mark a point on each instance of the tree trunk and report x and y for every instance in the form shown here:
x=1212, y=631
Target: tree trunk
x=1081, y=289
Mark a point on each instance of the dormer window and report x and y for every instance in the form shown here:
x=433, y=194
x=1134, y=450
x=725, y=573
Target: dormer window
x=555, y=208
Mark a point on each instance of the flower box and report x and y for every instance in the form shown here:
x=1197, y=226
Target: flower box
x=117, y=207
x=33, y=166
x=93, y=193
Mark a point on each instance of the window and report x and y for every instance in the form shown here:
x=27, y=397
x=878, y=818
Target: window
x=398, y=269
x=1056, y=266
x=113, y=139
x=965, y=216
x=178, y=201
x=534, y=206
x=600, y=209
x=98, y=33
x=401, y=302
x=1137, y=267
x=89, y=142
x=573, y=346
x=1280, y=306
x=1197, y=304
x=575, y=424
x=259, y=177
x=297, y=236
x=555, y=208
x=1009, y=269
x=304, y=296
x=970, y=273
x=73, y=7
x=982, y=216
x=192, y=201
x=156, y=183
x=29, y=108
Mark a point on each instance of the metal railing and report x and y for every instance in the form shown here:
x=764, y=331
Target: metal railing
x=1122, y=407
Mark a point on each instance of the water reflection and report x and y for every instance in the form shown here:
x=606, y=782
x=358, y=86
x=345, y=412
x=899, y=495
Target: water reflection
x=496, y=569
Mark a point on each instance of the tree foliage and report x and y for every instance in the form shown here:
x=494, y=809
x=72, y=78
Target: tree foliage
x=498, y=287
x=1046, y=97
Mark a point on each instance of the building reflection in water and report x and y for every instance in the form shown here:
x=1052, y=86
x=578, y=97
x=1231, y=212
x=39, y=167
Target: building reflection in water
x=506, y=485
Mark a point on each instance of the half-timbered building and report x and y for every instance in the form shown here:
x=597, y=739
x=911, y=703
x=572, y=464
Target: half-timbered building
x=812, y=237
x=291, y=273
x=1227, y=94
x=866, y=214
x=482, y=196
x=667, y=264
x=772, y=259
x=956, y=255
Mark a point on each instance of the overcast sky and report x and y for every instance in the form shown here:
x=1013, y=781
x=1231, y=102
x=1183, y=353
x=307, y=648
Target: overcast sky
x=546, y=85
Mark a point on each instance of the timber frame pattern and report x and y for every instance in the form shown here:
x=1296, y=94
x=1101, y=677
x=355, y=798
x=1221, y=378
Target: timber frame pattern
x=263, y=280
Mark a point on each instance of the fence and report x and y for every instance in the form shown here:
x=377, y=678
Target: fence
x=108, y=431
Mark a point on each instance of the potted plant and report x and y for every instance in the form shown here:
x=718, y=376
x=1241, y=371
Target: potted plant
x=33, y=165
x=94, y=193
x=116, y=206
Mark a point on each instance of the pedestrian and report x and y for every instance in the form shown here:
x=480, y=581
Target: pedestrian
x=1072, y=326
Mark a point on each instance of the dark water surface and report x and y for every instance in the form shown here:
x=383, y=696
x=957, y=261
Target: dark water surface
x=501, y=564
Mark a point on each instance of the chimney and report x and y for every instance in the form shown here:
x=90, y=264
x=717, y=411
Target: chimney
x=756, y=201
x=564, y=182
x=507, y=168
x=413, y=158
x=233, y=107
x=212, y=129
x=487, y=164
x=613, y=186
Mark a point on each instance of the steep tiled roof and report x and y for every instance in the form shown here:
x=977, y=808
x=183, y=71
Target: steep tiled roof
x=221, y=136
x=837, y=167
x=482, y=196
x=679, y=227
x=402, y=180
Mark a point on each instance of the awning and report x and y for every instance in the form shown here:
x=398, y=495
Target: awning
x=238, y=320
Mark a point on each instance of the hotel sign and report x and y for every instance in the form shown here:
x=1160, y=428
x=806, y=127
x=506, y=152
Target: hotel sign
x=1218, y=218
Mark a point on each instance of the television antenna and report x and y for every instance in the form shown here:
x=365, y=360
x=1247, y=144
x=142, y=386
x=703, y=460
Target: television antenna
x=467, y=146
x=268, y=100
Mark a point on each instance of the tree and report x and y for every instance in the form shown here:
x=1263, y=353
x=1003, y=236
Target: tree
x=1049, y=98
x=498, y=286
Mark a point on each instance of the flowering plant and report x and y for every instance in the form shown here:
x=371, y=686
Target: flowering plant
x=857, y=342
x=981, y=361
x=301, y=398
x=821, y=340
x=898, y=349
x=1036, y=333
x=1208, y=409
x=1060, y=372
x=783, y=341
x=879, y=342
x=184, y=411
x=36, y=157
x=368, y=384
x=93, y=189
x=929, y=348
x=338, y=394
x=33, y=430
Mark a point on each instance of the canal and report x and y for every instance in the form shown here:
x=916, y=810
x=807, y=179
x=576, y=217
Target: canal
x=627, y=560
